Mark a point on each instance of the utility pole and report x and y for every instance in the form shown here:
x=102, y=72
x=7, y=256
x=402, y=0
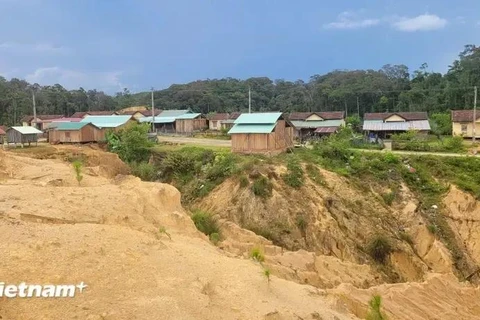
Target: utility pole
x=34, y=109
x=249, y=100
x=474, y=114
x=358, y=108
x=153, y=113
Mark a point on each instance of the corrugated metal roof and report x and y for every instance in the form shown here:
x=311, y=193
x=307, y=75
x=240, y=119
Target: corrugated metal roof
x=187, y=116
x=172, y=113
x=326, y=130
x=333, y=115
x=158, y=119
x=67, y=126
x=258, y=118
x=26, y=130
x=315, y=124
x=411, y=116
x=106, y=121
x=252, y=128
x=464, y=115
x=396, y=126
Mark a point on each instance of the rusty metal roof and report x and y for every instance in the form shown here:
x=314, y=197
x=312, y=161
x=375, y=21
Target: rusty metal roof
x=464, y=115
x=326, y=130
x=334, y=115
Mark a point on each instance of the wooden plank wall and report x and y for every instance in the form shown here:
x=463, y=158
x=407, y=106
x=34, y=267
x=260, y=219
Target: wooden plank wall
x=266, y=143
x=190, y=125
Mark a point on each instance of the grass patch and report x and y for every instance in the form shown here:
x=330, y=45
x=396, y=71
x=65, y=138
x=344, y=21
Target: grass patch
x=379, y=248
x=257, y=254
x=262, y=187
x=405, y=237
x=314, y=174
x=215, y=238
x=433, y=229
x=244, y=182
x=389, y=197
x=294, y=175
x=144, y=171
x=375, y=309
x=205, y=222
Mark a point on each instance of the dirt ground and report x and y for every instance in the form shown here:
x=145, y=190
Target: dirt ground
x=105, y=231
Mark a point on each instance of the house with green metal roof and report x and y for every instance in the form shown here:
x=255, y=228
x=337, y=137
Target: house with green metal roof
x=177, y=121
x=75, y=132
x=261, y=133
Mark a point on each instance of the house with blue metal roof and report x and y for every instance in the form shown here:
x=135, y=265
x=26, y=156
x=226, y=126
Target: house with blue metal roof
x=261, y=133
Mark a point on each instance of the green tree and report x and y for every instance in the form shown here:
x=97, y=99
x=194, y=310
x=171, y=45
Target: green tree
x=131, y=143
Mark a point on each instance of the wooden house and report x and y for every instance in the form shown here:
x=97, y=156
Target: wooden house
x=22, y=135
x=83, y=114
x=190, y=123
x=75, y=132
x=42, y=122
x=308, y=124
x=104, y=123
x=261, y=133
x=462, y=123
x=222, y=121
x=383, y=125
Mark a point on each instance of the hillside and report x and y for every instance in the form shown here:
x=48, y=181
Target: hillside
x=107, y=232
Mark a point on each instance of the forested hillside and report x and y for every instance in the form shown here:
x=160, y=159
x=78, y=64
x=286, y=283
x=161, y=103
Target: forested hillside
x=392, y=88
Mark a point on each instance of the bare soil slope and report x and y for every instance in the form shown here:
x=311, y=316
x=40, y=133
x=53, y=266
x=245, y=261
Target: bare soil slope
x=105, y=232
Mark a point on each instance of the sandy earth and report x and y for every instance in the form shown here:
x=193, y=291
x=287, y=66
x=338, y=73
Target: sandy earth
x=105, y=233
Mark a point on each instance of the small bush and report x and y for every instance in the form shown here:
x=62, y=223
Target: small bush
x=205, y=222
x=244, y=182
x=405, y=237
x=257, y=254
x=215, y=238
x=379, y=248
x=294, y=176
x=78, y=167
x=432, y=228
x=267, y=273
x=262, y=187
x=314, y=174
x=143, y=170
x=391, y=158
x=375, y=312
x=388, y=198
x=301, y=223
x=163, y=230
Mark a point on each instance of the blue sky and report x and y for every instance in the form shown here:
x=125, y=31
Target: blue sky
x=111, y=44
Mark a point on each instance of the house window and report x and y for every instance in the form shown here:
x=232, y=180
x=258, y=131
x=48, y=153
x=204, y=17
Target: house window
x=464, y=128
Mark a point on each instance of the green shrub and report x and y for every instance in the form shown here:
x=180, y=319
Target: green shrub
x=267, y=273
x=375, y=312
x=453, y=144
x=379, y=248
x=302, y=223
x=294, y=175
x=257, y=254
x=222, y=167
x=314, y=174
x=215, y=238
x=405, y=237
x=244, y=182
x=131, y=143
x=205, y=222
x=262, y=187
x=388, y=198
x=163, y=230
x=391, y=158
x=432, y=228
x=143, y=170
x=78, y=168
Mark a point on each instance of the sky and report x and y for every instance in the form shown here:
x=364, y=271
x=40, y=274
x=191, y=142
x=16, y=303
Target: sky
x=138, y=44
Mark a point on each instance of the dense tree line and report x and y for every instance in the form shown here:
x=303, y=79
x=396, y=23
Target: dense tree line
x=392, y=88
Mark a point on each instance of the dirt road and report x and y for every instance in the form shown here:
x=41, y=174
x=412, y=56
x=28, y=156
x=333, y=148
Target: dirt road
x=196, y=141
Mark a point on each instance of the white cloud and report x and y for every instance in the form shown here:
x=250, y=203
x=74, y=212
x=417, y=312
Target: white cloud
x=43, y=48
x=351, y=20
x=424, y=22
x=73, y=79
